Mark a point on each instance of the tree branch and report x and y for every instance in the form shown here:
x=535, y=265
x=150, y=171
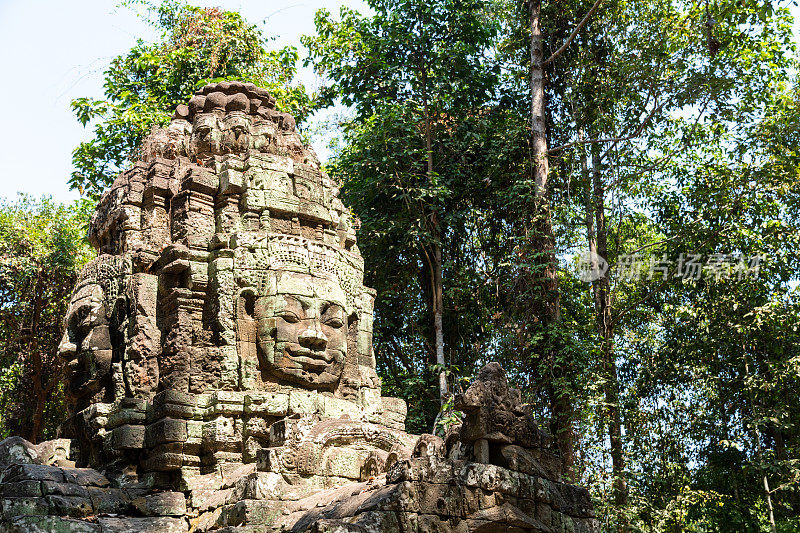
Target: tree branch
x=572, y=36
x=662, y=241
x=614, y=140
x=663, y=283
x=656, y=109
x=587, y=141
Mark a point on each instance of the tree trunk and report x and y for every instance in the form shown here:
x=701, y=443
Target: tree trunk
x=438, y=328
x=768, y=494
x=759, y=451
x=38, y=414
x=546, y=280
x=37, y=362
x=541, y=167
x=605, y=327
x=437, y=288
x=591, y=235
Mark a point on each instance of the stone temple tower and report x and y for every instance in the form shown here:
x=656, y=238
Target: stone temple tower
x=220, y=370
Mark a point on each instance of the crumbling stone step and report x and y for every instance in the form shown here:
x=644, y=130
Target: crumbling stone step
x=47, y=524
x=55, y=524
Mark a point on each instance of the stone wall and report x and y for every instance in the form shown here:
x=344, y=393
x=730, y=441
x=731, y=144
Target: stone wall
x=220, y=369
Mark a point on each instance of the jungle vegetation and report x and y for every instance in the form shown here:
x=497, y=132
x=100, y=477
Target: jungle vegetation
x=602, y=195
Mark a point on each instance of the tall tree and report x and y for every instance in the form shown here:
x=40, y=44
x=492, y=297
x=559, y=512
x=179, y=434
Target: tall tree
x=637, y=66
x=42, y=248
x=143, y=86
x=544, y=278
x=413, y=70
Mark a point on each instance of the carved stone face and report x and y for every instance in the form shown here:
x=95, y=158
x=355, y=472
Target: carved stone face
x=206, y=135
x=235, y=133
x=302, y=331
x=86, y=345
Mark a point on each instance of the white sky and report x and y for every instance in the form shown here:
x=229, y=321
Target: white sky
x=54, y=51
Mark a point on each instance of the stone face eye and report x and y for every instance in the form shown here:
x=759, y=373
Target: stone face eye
x=290, y=316
x=334, y=322
x=80, y=317
x=332, y=316
x=292, y=313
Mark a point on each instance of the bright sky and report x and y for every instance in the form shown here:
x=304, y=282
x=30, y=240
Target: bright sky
x=54, y=51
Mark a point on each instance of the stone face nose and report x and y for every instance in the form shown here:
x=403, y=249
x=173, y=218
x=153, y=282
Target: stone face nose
x=67, y=349
x=313, y=338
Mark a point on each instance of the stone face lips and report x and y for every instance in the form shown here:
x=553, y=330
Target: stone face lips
x=220, y=369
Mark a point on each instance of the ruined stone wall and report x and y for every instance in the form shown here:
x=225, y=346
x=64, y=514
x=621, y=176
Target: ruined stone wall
x=220, y=370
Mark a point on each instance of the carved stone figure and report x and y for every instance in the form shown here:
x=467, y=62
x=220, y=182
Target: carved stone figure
x=91, y=327
x=302, y=330
x=86, y=347
x=220, y=370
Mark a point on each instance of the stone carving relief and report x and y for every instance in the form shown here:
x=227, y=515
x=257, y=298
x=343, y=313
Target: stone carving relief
x=92, y=325
x=302, y=330
x=220, y=369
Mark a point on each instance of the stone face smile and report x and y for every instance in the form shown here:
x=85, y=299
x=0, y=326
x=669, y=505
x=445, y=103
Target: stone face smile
x=308, y=357
x=302, y=331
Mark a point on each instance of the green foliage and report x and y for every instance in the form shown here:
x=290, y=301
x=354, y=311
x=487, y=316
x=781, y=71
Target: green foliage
x=699, y=101
x=42, y=248
x=412, y=72
x=732, y=344
x=142, y=87
x=698, y=96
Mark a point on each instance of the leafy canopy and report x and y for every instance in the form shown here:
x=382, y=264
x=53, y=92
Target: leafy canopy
x=142, y=87
x=415, y=78
x=42, y=248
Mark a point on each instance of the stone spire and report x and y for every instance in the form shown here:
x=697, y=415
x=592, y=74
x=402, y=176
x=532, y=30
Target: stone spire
x=229, y=221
